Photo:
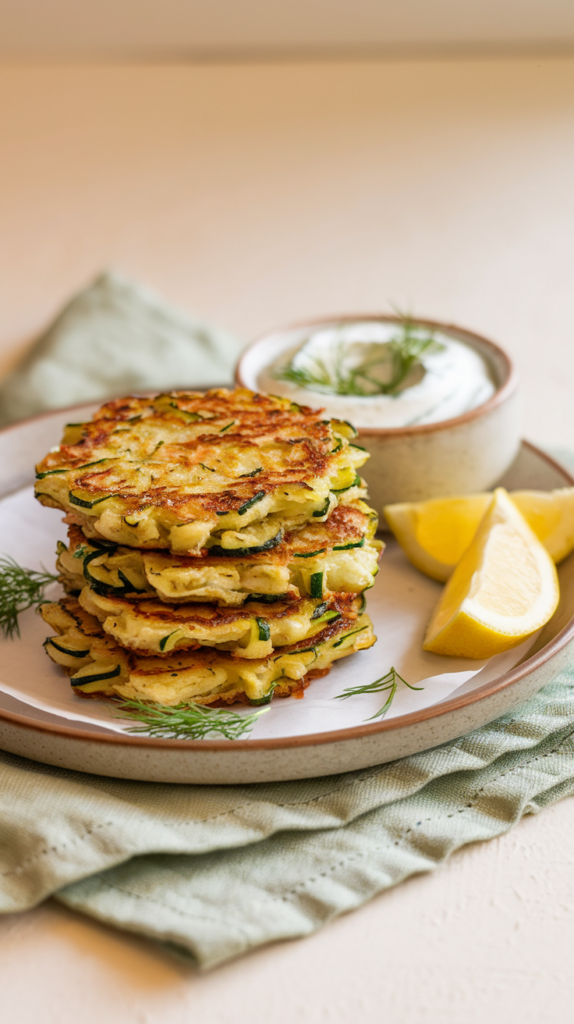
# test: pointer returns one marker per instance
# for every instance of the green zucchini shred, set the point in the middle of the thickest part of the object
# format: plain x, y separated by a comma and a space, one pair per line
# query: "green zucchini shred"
264, 628
347, 635
65, 650
265, 699
303, 650
356, 483
128, 585
98, 677
323, 511
320, 609
335, 424
107, 589
190, 417
82, 503
346, 547
329, 616
165, 639
221, 552
250, 502
50, 472
88, 464
316, 584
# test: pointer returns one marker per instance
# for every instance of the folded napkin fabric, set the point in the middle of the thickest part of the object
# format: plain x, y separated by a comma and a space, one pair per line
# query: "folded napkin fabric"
218, 870
113, 338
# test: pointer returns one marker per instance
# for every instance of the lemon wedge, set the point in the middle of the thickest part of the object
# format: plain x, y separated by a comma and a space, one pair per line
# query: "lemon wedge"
504, 588
551, 515
435, 534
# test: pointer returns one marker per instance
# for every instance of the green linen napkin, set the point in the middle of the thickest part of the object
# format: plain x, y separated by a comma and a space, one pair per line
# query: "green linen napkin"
219, 870
111, 339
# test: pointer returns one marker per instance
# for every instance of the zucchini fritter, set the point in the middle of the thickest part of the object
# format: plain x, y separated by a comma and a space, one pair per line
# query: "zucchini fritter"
219, 548
98, 666
252, 631
229, 472
318, 560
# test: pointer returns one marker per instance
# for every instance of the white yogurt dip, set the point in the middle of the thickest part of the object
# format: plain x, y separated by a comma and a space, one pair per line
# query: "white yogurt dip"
347, 368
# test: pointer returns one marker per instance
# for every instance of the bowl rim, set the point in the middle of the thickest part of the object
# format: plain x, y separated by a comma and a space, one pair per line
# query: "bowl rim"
503, 391
351, 733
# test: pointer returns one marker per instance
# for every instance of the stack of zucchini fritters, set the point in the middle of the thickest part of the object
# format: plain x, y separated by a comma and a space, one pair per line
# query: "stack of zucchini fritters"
218, 548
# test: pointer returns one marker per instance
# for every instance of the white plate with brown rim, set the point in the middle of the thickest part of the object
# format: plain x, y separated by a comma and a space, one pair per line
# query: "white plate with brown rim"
294, 738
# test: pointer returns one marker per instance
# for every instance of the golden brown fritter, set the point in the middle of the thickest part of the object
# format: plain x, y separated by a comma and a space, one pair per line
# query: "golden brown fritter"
254, 630
98, 666
229, 471
318, 560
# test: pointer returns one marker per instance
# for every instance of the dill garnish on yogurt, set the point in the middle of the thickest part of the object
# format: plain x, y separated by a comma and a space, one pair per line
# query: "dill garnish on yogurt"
347, 365
387, 372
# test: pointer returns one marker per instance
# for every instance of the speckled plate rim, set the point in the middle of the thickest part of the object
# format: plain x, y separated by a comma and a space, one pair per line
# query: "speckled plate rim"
434, 712
504, 390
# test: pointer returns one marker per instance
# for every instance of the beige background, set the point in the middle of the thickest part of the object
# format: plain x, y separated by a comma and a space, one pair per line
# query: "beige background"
258, 194
81, 28
255, 194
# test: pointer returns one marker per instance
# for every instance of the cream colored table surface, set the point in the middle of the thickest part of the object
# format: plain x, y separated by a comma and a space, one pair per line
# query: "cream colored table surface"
259, 194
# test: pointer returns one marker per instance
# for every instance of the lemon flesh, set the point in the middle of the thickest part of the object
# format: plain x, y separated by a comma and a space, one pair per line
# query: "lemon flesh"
435, 534
551, 515
504, 588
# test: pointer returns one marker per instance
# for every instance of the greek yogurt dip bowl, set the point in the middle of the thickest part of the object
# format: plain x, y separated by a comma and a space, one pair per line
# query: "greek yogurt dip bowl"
434, 404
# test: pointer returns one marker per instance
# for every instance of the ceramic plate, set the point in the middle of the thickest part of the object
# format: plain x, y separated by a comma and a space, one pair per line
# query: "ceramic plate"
41, 717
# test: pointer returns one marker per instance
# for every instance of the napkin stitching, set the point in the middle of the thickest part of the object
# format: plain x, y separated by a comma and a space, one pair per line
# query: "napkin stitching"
297, 803
188, 914
235, 810
472, 803
405, 832
297, 890
56, 849
301, 803
374, 776
349, 783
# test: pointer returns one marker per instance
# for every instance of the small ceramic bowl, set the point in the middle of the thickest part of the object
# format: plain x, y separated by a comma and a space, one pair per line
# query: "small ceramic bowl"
453, 456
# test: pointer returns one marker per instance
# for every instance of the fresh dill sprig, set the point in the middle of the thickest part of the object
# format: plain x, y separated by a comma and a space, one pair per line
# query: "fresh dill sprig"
405, 351
19, 589
318, 376
390, 682
185, 721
